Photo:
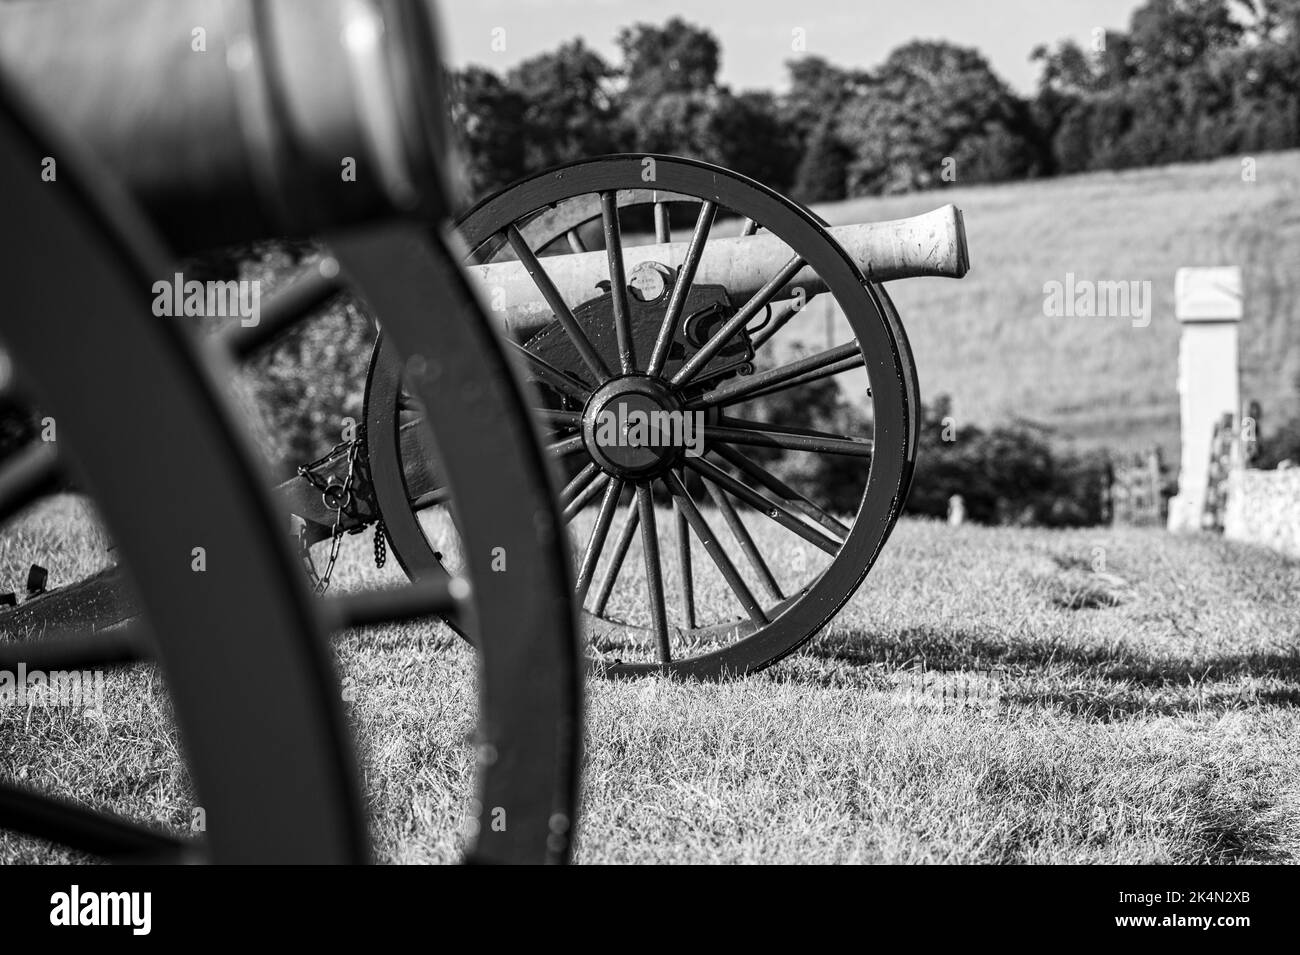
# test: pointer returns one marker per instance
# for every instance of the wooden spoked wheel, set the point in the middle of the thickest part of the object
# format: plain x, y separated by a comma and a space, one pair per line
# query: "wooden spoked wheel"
658, 340
241, 643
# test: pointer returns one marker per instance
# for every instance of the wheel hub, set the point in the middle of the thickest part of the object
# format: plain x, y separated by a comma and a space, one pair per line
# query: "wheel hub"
635, 428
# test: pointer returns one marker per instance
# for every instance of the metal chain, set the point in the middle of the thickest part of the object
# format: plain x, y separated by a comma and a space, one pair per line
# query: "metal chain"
308, 470
337, 497
381, 543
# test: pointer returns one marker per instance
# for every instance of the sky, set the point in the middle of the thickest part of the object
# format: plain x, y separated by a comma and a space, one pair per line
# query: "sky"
757, 35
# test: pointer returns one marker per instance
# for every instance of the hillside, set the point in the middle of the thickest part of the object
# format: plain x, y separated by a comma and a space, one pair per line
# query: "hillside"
1101, 381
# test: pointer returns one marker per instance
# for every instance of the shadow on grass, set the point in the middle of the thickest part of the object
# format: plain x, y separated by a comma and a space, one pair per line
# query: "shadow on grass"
1100, 682
1228, 830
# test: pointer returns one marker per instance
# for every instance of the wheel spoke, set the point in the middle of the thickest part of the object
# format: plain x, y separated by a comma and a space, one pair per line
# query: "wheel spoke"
682, 286
741, 389
830, 439
588, 494
575, 242
685, 571
789, 439
124, 646
27, 476
579, 482
749, 227
556, 302
830, 371
776, 511
783, 312
432, 597
300, 297
616, 559
568, 419
715, 550
559, 380
596, 543
566, 446
645, 503
663, 226
617, 281
78, 827
738, 321
774, 484
741, 533
771, 427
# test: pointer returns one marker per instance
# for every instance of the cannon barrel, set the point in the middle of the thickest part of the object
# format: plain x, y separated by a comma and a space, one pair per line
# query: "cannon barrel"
931, 244
232, 120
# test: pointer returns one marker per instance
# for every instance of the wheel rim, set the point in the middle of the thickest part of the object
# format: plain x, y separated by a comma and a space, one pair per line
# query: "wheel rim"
530, 719
529, 737
782, 625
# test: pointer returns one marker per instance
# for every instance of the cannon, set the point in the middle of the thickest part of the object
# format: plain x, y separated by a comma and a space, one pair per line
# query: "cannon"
214, 596
673, 302
652, 286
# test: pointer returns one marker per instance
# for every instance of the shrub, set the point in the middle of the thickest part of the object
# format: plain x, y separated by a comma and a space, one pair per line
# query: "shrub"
1006, 475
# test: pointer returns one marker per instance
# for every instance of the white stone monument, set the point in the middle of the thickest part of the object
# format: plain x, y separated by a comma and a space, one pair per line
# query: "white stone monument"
1208, 303
956, 510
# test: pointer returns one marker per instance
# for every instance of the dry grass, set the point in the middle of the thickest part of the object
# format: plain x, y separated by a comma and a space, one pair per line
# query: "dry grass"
1147, 712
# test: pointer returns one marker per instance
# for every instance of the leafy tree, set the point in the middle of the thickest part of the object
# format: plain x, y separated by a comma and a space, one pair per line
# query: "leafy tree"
672, 103
811, 110
823, 171
818, 90
928, 102
676, 58
1171, 35
741, 132
1192, 79
684, 124
757, 141
488, 121
1275, 21
1070, 71
570, 112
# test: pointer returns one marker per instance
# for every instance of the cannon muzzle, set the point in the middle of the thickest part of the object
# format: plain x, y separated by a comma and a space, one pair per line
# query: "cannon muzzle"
931, 244
233, 120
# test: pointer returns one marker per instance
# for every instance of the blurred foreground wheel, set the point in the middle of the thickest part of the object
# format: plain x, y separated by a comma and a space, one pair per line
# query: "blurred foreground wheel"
231, 625
223, 607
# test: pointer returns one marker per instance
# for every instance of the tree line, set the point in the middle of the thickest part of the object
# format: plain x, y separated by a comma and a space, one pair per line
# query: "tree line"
1189, 79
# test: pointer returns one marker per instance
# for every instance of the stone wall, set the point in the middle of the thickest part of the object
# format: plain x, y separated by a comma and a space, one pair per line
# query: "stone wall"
1264, 508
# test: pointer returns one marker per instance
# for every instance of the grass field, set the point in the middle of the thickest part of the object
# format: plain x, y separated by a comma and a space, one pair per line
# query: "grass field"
1145, 711
1100, 381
